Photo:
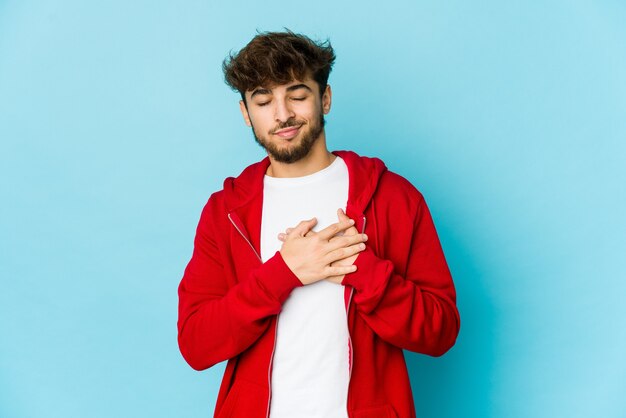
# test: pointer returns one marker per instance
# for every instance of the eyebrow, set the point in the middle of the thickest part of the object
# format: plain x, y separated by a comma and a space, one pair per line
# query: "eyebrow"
290, 88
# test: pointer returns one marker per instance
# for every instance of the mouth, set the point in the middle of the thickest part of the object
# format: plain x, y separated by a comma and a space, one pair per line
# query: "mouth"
289, 132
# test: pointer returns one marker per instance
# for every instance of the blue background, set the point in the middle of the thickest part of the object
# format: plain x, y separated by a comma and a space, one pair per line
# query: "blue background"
115, 127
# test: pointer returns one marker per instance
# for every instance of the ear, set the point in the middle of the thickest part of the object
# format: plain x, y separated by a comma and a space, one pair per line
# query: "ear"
244, 112
327, 99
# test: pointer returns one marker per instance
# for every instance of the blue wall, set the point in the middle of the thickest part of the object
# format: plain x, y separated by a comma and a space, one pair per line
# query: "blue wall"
115, 127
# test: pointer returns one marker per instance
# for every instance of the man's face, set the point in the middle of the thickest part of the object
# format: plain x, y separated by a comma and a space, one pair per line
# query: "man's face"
287, 119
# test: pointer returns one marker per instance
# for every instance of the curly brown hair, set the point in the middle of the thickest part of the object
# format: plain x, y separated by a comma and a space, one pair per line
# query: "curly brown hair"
278, 58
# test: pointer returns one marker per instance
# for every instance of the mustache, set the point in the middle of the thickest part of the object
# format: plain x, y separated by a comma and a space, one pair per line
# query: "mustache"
288, 124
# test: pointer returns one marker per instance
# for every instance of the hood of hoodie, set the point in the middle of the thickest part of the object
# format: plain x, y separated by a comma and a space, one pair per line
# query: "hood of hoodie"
364, 174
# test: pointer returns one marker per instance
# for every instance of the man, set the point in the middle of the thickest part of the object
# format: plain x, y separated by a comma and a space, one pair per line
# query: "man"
311, 270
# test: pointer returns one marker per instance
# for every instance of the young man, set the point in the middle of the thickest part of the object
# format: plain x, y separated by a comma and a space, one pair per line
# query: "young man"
312, 270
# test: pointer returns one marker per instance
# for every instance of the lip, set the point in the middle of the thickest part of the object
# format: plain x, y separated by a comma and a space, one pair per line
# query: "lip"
288, 132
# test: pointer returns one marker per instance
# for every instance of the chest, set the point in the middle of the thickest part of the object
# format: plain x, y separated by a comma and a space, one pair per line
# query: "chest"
285, 207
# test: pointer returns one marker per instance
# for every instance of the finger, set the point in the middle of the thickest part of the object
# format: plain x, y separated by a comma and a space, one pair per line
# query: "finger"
282, 236
335, 228
345, 241
303, 227
330, 271
345, 252
336, 279
343, 217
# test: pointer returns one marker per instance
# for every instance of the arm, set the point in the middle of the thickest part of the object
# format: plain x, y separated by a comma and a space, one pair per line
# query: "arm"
416, 311
217, 322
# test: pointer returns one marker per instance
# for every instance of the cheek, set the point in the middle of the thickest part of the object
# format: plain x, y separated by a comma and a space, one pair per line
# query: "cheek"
258, 120
308, 114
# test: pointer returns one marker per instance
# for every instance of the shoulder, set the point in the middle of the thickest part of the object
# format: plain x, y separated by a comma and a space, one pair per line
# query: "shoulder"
213, 210
394, 188
215, 201
237, 190
397, 199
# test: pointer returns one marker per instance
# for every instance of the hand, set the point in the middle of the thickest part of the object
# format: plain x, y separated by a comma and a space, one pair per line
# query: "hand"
310, 254
348, 261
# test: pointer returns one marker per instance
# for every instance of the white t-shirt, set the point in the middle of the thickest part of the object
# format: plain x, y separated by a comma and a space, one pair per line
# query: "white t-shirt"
310, 366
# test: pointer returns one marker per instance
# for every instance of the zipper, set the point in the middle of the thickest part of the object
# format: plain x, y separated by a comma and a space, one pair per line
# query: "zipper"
269, 369
245, 237
349, 337
351, 352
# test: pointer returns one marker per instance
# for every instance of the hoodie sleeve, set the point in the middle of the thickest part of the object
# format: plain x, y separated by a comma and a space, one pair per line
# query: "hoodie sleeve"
217, 322
415, 310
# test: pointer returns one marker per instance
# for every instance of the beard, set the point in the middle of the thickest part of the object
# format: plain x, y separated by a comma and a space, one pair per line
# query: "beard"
291, 154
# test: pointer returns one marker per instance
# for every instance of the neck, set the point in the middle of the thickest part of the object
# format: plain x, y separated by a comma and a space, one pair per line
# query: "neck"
317, 159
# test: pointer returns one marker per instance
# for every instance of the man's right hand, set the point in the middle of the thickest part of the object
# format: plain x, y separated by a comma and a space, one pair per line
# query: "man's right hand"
309, 254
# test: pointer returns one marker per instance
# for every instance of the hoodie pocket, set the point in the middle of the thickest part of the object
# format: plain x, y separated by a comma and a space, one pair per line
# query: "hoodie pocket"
229, 403
245, 399
384, 411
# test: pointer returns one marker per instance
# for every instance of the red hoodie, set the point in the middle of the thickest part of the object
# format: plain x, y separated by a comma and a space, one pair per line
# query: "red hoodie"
400, 297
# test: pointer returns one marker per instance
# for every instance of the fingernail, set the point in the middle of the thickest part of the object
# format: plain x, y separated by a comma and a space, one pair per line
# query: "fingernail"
351, 221
365, 237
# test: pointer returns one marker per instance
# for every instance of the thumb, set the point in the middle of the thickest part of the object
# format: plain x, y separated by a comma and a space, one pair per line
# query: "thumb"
342, 215
343, 218
304, 226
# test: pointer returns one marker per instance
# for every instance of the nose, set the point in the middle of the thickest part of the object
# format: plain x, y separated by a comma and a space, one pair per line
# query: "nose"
283, 111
